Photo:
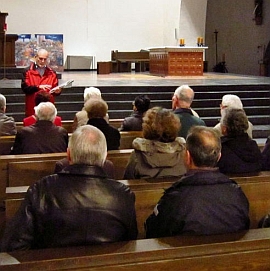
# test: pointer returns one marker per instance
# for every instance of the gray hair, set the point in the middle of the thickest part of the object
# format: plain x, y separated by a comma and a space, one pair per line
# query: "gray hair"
87, 145
3, 102
185, 93
45, 111
91, 92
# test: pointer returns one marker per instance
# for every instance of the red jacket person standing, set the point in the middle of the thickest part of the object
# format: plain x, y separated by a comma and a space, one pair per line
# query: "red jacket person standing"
38, 76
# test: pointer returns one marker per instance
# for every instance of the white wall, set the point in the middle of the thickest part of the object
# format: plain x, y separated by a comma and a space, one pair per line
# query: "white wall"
95, 27
192, 20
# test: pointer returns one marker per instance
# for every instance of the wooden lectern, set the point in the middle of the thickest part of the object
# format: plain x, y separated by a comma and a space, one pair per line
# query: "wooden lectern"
7, 44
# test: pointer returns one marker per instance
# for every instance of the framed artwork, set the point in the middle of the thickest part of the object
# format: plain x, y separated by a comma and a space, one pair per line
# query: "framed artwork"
27, 46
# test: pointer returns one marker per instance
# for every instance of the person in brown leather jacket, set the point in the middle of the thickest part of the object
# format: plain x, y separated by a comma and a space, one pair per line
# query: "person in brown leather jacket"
78, 206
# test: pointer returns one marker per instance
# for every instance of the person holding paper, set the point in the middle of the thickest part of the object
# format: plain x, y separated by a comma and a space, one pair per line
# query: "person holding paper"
38, 76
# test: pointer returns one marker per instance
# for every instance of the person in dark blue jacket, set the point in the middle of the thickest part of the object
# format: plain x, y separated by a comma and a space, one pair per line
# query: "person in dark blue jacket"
204, 201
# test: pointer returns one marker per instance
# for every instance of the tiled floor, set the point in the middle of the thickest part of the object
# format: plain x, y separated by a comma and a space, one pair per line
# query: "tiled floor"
91, 78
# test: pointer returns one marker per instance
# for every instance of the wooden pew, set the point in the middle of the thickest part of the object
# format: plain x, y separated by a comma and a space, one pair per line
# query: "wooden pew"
239, 251
25, 169
121, 61
148, 192
67, 124
127, 138
6, 142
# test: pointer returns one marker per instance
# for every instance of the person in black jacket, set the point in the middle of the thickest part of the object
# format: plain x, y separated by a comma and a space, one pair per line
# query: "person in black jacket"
97, 111
76, 207
134, 122
239, 153
204, 201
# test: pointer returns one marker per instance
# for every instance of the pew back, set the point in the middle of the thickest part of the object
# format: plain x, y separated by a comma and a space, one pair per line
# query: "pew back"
148, 192
240, 251
17, 170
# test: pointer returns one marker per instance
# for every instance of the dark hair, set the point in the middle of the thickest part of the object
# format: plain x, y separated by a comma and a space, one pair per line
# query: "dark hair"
235, 121
204, 146
42, 96
142, 103
160, 124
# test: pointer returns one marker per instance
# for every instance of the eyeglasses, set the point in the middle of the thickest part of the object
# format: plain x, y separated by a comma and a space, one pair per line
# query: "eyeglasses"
42, 58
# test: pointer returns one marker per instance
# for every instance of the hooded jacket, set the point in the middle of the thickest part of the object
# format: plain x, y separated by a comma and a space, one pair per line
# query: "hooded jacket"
239, 154
154, 159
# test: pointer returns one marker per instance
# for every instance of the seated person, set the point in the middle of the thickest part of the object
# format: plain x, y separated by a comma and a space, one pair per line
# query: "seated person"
108, 167
41, 96
134, 122
204, 201
160, 152
81, 117
232, 101
79, 206
266, 155
97, 110
239, 153
7, 124
181, 105
43, 136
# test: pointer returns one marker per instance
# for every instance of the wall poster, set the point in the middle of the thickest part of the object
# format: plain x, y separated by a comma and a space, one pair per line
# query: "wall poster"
27, 46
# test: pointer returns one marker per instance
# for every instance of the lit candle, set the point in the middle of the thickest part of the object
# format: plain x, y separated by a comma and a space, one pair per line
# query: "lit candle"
198, 40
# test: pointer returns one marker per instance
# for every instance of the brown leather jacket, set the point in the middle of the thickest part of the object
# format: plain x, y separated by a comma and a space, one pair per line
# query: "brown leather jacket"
78, 206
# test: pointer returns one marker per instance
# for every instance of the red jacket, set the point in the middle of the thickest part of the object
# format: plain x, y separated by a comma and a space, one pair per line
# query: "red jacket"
32, 120
30, 84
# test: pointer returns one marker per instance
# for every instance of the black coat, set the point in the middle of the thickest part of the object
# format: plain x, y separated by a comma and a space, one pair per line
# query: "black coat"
201, 203
78, 206
112, 134
239, 155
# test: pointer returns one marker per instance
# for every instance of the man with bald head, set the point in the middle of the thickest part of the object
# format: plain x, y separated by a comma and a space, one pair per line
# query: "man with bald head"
181, 105
38, 76
204, 201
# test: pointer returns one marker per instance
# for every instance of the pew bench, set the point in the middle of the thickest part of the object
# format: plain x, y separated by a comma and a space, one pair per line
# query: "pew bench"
121, 61
25, 169
126, 139
247, 250
67, 124
148, 192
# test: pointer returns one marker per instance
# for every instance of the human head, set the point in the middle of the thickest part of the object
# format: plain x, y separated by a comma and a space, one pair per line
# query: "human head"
45, 111
87, 145
96, 108
160, 124
3, 103
42, 57
42, 96
232, 101
141, 103
183, 97
91, 92
233, 122
203, 147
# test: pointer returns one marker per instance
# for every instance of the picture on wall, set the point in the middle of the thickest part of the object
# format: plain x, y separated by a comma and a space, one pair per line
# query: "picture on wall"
27, 46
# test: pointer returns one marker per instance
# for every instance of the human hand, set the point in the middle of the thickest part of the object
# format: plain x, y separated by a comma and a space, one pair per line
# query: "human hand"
57, 90
45, 87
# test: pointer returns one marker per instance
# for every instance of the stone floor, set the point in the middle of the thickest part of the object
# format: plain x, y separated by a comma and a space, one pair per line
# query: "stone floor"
91, 78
